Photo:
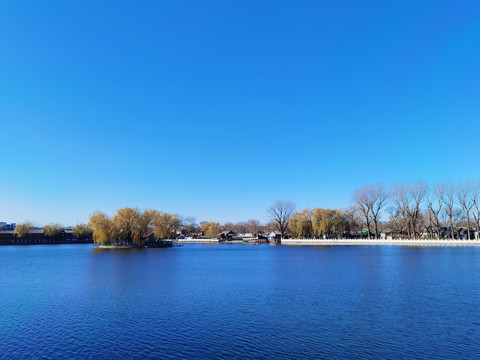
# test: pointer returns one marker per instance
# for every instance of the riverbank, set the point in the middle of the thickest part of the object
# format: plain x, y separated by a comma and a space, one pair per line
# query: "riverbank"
399, 242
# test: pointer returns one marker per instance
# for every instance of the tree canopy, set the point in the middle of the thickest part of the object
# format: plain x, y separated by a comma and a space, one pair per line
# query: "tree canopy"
52, 230
22, 230
211, 228
82, 231
131, 226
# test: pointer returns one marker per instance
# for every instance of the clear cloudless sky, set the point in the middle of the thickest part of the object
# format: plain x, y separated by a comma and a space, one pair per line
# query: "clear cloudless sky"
216, 109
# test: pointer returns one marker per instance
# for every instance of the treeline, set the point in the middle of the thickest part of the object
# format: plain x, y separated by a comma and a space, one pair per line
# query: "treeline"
129, 226
418, 209
52, 231
406, 210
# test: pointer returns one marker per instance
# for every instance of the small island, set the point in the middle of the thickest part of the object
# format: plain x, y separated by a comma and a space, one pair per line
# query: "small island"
132, 228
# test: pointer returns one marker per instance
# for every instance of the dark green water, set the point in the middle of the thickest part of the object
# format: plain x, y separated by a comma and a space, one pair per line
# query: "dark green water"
240, 301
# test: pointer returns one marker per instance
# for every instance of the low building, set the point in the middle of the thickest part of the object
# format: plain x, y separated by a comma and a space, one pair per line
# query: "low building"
36, 236
6, 226
226, 235
274, 236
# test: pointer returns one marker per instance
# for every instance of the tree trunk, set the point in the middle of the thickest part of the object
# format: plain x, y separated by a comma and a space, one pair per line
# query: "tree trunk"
468, 227
451, 228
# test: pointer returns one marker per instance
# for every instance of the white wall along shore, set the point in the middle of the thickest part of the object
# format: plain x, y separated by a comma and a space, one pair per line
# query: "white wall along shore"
399, 242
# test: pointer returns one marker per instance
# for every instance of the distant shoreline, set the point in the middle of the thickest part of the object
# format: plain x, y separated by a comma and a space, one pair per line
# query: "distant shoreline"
285, 242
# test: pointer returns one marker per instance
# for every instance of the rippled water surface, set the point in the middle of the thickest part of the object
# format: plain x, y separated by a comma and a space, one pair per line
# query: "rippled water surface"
239, 301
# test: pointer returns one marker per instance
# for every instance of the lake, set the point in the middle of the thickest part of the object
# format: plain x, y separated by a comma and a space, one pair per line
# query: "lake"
240, 302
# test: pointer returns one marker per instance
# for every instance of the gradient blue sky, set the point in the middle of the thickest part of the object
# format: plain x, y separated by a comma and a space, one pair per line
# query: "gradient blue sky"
216, 109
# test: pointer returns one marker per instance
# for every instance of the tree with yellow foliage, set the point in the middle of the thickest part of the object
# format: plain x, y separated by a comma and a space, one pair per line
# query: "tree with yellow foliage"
104, 231
301, 224
165, 226
126, 222
211, 228
81, 232
52, 231
22, 230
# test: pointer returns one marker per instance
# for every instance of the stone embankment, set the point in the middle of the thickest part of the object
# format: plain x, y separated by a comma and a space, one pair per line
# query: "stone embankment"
398, 242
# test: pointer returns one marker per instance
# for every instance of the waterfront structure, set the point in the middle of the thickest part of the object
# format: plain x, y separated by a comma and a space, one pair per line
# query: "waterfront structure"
6, 226
274, 236
36, 236
226, 235
398, 242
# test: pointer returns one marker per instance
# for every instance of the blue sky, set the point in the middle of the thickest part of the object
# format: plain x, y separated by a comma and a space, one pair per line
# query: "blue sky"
216, 109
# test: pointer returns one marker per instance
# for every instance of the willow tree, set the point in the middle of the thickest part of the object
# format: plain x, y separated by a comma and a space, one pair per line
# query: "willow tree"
126, 222
22, 230
301, 223
165, 226
104, 231
146, 222
52, 231
326, 221
211, 228
82, 232
330, 221
317, 227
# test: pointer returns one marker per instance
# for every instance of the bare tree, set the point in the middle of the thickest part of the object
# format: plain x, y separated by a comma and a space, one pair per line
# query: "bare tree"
466, 201
363, 200
253, 226
435, 205
400, 200
408, 201
417, 192
189, 225
353, 218
398, 222
475, 197
370, 200
379, 199
449, 202
281, 212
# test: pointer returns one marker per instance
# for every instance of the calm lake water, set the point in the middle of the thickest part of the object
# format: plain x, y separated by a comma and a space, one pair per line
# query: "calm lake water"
240, 301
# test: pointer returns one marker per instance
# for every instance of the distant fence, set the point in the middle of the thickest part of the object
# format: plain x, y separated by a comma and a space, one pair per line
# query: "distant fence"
400, 242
